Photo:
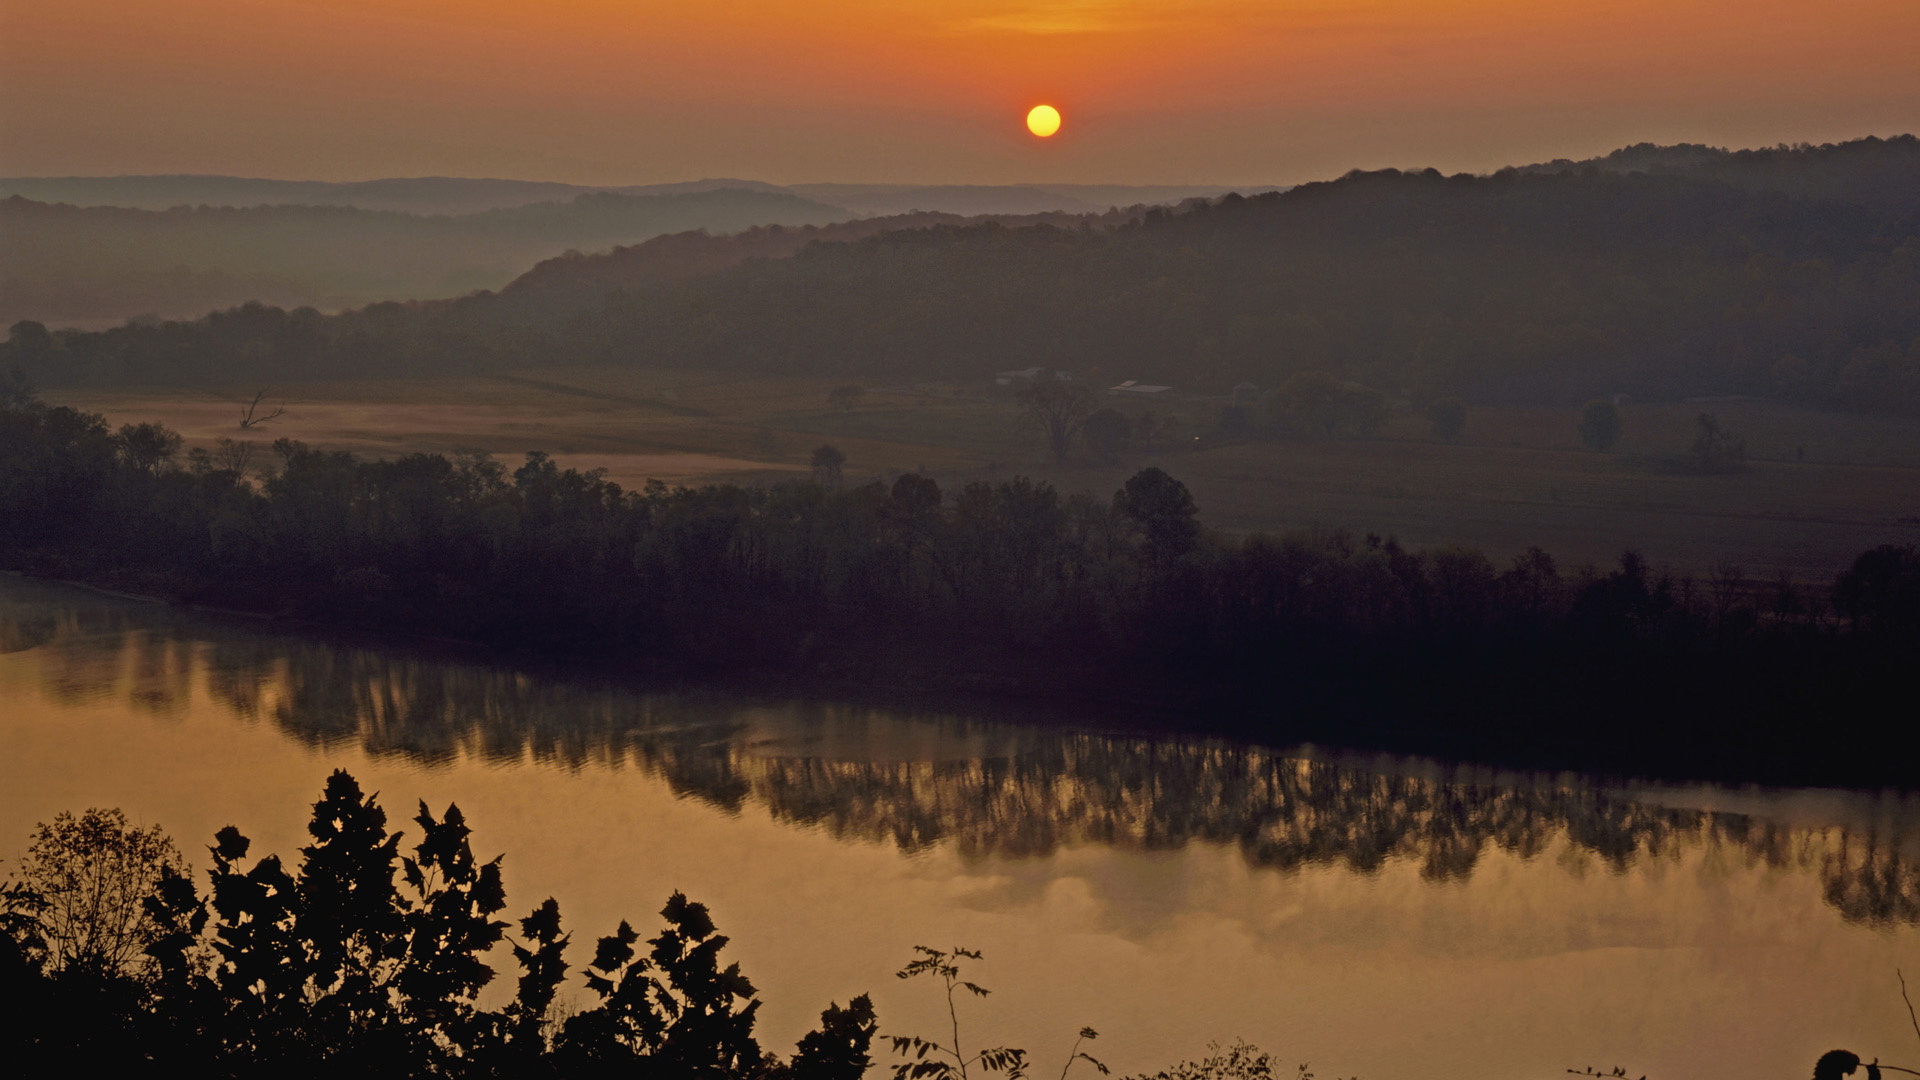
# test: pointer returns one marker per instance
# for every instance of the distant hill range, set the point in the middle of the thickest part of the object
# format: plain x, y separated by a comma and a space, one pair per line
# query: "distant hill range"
453, 195
1792, 273
973, 200
94, 251
99, 265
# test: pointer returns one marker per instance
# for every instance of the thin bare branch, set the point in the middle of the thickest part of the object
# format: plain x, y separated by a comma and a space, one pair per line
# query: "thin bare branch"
1911, 1019
248, 420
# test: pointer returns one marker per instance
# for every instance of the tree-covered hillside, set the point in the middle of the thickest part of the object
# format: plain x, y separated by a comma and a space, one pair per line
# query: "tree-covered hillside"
1550, 287
1878, 172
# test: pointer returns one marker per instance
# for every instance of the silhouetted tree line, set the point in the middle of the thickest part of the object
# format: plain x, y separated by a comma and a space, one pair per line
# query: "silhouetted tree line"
369, 956
1002, 588
1553, 287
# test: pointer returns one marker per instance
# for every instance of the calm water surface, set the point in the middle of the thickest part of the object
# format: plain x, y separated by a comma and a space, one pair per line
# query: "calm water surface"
1381, 919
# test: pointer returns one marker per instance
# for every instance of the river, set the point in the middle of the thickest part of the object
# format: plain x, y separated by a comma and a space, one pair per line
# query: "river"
1373, 918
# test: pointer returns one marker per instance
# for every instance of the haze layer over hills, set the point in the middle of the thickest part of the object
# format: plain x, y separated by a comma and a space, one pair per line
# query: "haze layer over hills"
453, 195
95, 251
70, 264
1792, 272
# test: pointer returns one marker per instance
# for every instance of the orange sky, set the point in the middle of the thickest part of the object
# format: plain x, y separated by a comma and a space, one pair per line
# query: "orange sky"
1173, 91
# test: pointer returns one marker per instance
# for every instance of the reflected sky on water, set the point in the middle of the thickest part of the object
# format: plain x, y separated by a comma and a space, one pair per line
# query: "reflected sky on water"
1385, 919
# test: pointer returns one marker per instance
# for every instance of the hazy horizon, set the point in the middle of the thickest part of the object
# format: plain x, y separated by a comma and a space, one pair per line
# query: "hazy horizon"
1213, 92
722, 180
1334, 172
667, 184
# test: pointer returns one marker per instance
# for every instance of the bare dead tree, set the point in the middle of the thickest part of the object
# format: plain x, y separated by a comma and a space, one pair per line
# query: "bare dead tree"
248, 420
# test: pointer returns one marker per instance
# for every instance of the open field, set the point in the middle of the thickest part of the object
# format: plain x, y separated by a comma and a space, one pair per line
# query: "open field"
1820, 487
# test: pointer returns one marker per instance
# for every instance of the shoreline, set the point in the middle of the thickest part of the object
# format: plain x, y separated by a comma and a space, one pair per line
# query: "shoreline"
1117, 711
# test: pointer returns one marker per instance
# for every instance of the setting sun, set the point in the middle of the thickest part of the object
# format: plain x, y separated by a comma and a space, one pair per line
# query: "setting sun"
1043, 120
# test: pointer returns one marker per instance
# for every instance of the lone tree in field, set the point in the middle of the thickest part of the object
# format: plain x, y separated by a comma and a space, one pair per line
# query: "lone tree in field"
827, 463
93, 874
1715, 449
1056, 408
1600, 425
1314, 404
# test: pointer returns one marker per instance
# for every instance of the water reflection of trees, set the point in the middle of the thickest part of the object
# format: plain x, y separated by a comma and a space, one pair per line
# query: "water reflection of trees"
1016, 793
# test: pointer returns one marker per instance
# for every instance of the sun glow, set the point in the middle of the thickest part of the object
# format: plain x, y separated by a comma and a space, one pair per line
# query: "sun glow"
1043, 120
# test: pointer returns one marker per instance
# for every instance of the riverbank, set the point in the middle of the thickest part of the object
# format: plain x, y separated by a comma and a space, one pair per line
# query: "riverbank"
1523, 722
999, 595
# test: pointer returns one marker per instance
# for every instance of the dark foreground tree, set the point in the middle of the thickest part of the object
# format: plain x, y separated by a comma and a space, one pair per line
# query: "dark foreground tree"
365, 957
148, 447
90, 877
1880, 592
675, 1008
1162, 509
841, 1048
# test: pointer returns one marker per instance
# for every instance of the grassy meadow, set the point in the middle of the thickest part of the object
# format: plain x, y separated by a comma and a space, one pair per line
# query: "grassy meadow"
1818, 487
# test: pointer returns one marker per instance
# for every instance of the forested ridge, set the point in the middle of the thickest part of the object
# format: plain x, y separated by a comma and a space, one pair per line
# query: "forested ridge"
1005, 590
1871, 171
1781, 280
1550, 288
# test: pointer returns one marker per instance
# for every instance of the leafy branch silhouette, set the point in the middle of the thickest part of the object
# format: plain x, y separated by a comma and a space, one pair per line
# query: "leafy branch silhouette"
929, 1059
1087, 1034
1835, 1064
